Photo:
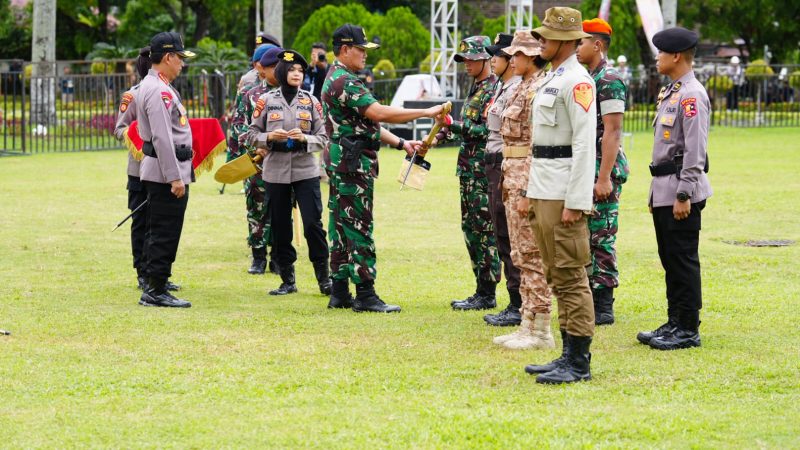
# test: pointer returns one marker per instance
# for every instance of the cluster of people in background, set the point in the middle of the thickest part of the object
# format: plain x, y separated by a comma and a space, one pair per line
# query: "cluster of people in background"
540, 169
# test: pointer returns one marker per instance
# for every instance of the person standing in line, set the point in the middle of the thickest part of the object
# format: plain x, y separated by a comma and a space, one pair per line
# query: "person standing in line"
560, 189
679, 188
611, 167
503, 68
534, 331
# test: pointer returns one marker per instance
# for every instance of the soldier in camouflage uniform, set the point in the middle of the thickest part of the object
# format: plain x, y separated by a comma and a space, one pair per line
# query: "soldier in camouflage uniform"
352, 120
611, 169
476, 219
254, 187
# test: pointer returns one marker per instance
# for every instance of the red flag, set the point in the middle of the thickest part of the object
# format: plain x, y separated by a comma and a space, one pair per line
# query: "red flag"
208, 141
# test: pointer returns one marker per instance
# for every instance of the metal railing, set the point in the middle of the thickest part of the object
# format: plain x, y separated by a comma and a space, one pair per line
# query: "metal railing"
78, 112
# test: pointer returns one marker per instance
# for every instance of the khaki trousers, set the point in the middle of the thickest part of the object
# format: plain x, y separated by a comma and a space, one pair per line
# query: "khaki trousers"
565, 254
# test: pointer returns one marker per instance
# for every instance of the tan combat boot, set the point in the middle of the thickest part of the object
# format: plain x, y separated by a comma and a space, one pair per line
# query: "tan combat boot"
541, 330
524, 326
524, 339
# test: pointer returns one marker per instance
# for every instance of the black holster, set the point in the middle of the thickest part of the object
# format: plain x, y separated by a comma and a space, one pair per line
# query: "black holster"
352, 148
183, 152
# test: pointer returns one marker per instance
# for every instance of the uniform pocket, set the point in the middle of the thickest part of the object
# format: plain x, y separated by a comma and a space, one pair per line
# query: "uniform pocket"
545, 111
571, 245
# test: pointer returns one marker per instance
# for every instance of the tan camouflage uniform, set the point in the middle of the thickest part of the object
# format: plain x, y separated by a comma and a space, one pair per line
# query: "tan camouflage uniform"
516, 132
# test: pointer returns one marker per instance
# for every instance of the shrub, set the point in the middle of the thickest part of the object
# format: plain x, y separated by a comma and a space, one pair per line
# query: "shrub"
758, 69
384, 70
719, 84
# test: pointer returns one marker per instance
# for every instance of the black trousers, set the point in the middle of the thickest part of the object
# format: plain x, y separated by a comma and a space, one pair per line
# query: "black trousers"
678, 242
136, 196
497, 209
309, 201
165, 223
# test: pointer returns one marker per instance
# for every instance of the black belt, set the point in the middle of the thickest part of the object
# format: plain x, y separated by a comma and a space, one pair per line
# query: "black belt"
552, 151
285, 147
671, 168
493, 158
182, 152
367, 144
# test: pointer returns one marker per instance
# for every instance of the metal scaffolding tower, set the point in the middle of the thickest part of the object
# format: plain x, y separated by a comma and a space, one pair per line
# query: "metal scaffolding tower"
444, 35
519, 15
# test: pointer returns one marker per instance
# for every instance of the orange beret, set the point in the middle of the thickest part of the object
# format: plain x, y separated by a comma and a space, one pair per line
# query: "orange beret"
596, 25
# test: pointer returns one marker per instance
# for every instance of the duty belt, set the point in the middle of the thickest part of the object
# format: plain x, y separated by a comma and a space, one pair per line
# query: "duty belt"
552, 151
671, 168
286, 147
493, 158
516, 151
367, 144
182, 152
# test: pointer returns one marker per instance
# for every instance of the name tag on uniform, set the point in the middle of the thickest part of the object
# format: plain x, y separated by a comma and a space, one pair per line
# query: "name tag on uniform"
551, 91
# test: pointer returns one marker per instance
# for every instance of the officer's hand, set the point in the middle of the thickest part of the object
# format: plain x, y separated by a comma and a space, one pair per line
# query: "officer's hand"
297, 135
261, 151
278, 135
602, 189
434, 111
178, 188
411, 146
523, 205
681, 210
570, 216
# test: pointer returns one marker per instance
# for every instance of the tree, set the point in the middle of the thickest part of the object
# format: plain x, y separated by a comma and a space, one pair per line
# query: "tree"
404, 40
324, 21
627, 35
15, 30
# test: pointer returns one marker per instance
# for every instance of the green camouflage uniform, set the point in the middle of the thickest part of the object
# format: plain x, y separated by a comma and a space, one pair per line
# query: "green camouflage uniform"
255, 187
611, 97
345, 98
476, 220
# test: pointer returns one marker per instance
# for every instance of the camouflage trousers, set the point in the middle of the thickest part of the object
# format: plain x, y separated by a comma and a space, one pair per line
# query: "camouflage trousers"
603, 237
476, 224
255, 191
536, 295
350, 227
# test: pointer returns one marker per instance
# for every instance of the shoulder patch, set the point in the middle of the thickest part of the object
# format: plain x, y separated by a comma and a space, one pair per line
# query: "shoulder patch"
319, 108
583, 95
689, 107
127, 98
259, 107
166, 97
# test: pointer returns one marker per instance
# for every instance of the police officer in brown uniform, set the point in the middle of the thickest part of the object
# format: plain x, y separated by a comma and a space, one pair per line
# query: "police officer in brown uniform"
679, 188
560, 188
507, 82
287, 128
166, 170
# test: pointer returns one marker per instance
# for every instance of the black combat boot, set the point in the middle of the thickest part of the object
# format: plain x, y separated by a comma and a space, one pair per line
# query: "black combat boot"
340, 294
484, 299
684, 335
259, 265
469, 299
575, 366
509, 316
646, 336
323, 277
157, 295
367, 300
603, 306
141, 280
170, 286
552, 365
287, 282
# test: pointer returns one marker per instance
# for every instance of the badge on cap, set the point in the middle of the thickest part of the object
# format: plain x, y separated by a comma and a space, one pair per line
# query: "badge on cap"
462, 47
288, 57
583, 95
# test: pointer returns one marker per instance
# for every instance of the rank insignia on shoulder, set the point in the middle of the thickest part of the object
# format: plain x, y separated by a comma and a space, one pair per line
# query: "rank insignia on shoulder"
689, 107
676, 87
259, 107
583, 95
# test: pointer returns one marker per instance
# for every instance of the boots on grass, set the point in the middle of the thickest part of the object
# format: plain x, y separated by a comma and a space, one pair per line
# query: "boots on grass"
287, 282
576, 365
340, 294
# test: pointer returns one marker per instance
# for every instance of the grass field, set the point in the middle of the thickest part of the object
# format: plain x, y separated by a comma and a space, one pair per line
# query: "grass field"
87, 367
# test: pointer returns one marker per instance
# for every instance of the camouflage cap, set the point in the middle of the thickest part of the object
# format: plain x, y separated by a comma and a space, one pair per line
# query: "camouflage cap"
561, 24
525, 43
473, 48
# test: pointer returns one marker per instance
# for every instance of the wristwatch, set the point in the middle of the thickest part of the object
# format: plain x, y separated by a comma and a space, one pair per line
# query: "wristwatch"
683, 196
400, 144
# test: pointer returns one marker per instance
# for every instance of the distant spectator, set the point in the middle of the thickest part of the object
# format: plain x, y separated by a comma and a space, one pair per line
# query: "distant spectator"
736, 73
317, 69
67, 87
624, 70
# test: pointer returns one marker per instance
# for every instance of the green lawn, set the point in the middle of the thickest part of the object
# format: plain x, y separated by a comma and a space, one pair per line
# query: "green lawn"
87, 367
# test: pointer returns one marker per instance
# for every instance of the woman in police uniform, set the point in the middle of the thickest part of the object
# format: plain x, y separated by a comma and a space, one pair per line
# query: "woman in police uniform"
287, 127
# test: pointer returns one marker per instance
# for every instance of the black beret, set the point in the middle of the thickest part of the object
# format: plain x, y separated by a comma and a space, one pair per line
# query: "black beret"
675, 40
502, 41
